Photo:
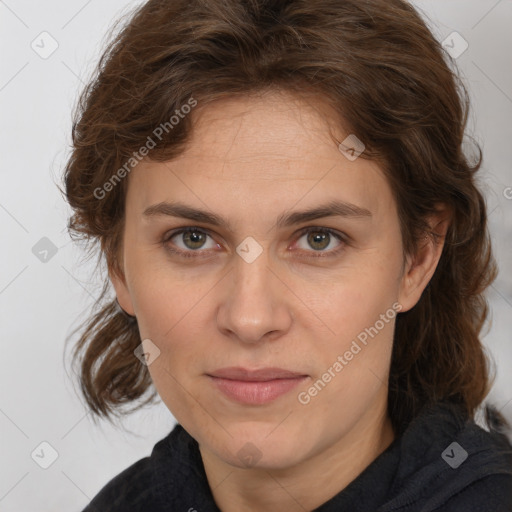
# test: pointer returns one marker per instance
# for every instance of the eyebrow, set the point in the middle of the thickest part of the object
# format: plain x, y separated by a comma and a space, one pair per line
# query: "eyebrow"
333, 208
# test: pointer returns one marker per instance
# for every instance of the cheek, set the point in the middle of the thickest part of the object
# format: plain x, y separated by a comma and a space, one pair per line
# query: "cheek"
352, 365
356, 299
354, 355
171, 316
161, 294
171, 308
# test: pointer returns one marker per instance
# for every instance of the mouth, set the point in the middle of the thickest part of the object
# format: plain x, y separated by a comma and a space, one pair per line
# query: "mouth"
255, 387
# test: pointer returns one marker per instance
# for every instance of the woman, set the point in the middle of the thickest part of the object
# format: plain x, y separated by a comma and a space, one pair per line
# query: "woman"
299, 253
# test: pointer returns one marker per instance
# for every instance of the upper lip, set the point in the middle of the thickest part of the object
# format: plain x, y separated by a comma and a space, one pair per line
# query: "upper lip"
260, 375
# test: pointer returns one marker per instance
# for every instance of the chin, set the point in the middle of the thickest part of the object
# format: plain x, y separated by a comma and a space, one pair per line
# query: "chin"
251, 457
255, 448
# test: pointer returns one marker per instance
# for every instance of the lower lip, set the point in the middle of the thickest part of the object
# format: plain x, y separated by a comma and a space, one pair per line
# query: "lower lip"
256, 393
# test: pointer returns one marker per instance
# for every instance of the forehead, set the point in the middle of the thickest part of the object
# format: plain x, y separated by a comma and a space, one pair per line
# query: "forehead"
260, 152
274, 124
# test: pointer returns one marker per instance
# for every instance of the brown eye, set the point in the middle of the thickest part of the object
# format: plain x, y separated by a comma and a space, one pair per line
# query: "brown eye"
194, 239
189, 242
319, 240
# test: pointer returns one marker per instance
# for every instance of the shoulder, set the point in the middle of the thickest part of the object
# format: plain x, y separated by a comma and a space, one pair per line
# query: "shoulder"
449, 463
485, 476
130, 486
135, 489
491, 492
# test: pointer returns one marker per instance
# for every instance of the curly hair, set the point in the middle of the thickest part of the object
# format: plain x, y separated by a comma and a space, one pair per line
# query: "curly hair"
379, 66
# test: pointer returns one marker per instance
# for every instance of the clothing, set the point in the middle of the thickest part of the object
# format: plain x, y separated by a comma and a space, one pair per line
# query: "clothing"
416, 473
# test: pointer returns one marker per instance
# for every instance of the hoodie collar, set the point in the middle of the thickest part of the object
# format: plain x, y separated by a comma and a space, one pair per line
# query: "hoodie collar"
416, 468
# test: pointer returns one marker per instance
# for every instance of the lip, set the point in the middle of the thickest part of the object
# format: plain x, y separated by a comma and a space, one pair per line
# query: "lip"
255, 387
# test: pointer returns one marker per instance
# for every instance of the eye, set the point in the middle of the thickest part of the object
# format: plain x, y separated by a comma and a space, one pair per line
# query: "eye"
320, 239
191, 240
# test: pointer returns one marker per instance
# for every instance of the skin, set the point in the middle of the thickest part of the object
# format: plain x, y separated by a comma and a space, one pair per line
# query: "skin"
251, 159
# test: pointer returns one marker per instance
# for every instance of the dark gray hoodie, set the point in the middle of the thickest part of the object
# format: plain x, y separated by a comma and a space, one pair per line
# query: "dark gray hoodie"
442, 462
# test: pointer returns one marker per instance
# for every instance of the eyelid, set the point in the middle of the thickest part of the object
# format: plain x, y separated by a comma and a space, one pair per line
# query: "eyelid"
200, 253
341, 237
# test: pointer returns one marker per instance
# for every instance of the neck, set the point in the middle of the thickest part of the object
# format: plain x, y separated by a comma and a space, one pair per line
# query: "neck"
308, 484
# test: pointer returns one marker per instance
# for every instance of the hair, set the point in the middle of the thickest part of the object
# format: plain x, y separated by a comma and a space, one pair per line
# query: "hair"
382, 70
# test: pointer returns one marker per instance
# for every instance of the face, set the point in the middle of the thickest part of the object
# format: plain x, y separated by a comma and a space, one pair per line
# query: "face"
258, 286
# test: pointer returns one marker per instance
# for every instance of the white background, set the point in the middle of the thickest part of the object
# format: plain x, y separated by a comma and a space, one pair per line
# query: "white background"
40, 302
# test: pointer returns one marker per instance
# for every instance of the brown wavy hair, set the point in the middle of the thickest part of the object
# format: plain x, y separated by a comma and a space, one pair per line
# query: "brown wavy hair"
379, 66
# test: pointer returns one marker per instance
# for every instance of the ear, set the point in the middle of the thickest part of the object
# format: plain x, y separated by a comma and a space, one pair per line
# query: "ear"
118, 280
420, 267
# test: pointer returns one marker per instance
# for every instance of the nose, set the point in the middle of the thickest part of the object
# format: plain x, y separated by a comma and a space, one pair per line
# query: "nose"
254, 305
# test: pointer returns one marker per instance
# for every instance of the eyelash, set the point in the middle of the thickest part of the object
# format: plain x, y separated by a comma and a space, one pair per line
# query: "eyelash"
195, 254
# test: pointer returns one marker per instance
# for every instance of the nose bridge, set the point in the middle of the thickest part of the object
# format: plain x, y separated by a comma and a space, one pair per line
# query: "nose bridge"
252, 279
253, 305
